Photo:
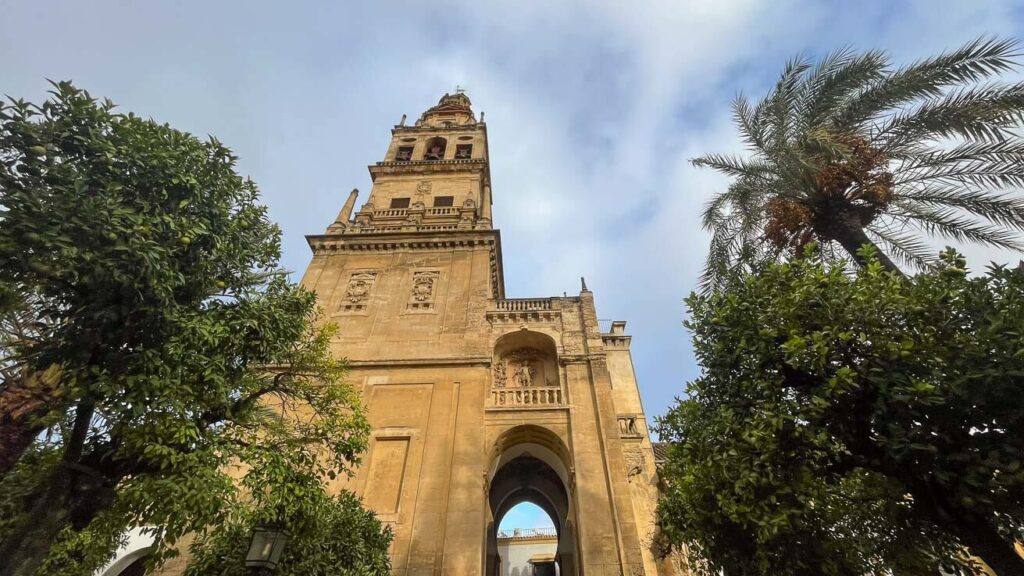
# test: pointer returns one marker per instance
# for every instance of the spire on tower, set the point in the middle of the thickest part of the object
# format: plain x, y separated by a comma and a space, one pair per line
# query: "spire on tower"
346, 212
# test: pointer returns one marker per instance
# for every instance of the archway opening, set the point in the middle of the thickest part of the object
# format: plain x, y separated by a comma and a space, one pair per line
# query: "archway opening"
527, 541
531, 473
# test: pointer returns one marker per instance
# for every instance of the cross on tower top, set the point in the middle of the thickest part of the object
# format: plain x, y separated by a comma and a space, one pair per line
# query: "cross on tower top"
459, 89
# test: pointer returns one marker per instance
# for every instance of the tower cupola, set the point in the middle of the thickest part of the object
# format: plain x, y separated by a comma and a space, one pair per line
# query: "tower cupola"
451, 110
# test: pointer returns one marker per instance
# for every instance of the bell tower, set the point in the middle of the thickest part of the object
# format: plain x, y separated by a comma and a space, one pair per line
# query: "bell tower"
478, 402
434, 176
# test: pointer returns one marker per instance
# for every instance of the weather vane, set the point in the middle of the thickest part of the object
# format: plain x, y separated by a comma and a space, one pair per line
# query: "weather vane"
459, 89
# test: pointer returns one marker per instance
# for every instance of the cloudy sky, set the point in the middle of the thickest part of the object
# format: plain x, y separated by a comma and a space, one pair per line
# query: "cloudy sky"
593, 109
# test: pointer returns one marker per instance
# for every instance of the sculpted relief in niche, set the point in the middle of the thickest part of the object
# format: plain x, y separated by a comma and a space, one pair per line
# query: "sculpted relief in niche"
523, 368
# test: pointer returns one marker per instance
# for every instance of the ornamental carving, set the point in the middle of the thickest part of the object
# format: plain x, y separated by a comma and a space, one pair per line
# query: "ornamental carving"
358, 289
423, 188
521, 368
500, 378
627, 426
423, 286
634, 462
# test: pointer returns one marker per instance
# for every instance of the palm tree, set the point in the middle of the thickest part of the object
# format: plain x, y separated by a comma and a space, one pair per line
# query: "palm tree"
853, 152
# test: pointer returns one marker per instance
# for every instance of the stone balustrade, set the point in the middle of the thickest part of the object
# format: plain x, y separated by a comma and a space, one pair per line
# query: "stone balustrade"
443, 211
523, 304
391, 213
518, 397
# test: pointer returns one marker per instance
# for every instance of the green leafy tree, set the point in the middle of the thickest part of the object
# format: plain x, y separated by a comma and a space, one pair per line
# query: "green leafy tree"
852, 151
852, 424
330, 536
192, 379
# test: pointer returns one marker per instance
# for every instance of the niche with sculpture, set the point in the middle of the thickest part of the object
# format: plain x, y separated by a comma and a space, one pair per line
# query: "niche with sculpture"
525, 369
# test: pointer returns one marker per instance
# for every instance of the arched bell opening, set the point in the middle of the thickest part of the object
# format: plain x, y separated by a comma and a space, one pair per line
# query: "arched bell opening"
530, 464
434, 150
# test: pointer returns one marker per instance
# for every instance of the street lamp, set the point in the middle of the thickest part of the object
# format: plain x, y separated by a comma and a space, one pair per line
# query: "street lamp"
265, 548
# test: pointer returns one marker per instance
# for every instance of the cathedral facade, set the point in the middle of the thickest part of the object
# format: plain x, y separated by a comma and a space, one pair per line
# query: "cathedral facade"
478, 401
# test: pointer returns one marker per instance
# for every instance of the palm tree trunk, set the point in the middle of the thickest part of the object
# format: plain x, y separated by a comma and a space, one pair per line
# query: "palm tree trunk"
22, 399
852, 238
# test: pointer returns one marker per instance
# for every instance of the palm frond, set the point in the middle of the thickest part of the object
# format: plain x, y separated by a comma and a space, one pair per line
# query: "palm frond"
953, 224
926, 157
1003, 209
836, 78
973, 62
985, 113
909, 250
782, 103
734, 165
995, 174
750, 124
735, 219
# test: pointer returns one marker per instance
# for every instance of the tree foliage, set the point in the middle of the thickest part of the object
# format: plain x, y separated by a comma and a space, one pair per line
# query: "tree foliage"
852, 151
328, 537
852, 424
192, 379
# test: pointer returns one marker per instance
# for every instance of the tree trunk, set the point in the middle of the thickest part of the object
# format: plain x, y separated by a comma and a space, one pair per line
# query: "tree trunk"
852, 238
22, 400
985, 542
28, 544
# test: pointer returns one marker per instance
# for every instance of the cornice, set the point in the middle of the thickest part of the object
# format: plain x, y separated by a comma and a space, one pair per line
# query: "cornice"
472, 165
454, 128
343, 243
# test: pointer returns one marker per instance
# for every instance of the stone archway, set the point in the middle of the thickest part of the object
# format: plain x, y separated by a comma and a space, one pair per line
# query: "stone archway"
130, 558
531, 464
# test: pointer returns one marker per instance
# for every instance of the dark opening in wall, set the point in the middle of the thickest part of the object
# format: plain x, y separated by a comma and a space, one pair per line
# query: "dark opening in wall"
404, 153
435, 149
441, 201
464, 151
399, 203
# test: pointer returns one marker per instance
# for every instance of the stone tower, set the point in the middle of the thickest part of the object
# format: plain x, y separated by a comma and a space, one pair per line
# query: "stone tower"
477, 401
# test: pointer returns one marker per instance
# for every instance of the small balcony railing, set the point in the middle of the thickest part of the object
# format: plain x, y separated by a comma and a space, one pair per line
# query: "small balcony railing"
391, 213
527, 533
443, 211
523, 304
515, 397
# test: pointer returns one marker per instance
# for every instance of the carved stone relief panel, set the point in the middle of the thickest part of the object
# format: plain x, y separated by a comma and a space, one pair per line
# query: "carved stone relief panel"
424, 289
357, 291
628, 426
523, 368
634, 461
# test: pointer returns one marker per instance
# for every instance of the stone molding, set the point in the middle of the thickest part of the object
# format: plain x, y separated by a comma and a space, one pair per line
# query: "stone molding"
478, 125
393, 167
462, 361
322, 244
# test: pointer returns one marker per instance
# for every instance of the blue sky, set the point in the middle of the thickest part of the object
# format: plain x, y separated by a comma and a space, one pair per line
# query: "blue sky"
593, 109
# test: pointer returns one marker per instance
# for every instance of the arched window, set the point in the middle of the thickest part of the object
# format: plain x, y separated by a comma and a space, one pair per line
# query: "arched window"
435, 149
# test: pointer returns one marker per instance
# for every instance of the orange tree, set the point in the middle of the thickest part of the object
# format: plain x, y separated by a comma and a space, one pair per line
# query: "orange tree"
177, 345
852, 424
